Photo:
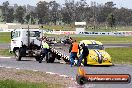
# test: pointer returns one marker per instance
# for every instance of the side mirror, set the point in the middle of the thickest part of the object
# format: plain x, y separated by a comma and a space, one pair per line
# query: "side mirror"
11, 34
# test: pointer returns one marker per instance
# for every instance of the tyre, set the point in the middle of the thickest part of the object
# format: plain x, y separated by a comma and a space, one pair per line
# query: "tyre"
37, 58
81, 80
51, 58
17, 55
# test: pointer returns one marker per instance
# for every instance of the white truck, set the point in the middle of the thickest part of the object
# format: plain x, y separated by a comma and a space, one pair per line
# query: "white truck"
26, 43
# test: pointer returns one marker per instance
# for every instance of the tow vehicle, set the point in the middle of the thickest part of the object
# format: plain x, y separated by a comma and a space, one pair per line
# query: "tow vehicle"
26, 43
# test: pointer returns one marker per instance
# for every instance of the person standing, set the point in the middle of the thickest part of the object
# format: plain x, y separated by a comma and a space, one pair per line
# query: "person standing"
83, 55
45, 50
73, 50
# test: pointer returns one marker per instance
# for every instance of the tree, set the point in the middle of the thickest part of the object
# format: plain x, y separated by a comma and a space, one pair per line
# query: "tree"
19, 14
5, 9
111, 20
27, 18
43, 12
54, 11
10, 15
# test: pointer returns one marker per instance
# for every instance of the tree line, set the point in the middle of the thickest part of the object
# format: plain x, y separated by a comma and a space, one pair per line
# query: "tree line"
68, 13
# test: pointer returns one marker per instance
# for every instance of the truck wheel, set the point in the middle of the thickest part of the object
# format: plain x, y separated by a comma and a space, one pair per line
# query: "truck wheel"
81, 80
51, 59
17, 55
37, 58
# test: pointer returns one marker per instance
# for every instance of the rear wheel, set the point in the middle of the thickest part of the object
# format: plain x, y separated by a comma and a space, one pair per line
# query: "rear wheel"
37, 58
50, 58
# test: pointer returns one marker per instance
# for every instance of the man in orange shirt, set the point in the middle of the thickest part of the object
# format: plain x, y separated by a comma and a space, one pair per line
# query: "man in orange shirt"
73, 52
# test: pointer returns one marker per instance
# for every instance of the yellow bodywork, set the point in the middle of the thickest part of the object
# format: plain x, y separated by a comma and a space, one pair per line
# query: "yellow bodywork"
97, 56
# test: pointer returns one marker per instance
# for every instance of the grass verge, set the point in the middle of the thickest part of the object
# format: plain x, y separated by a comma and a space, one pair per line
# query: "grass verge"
5, 37
5, 52
16, 84
121, 55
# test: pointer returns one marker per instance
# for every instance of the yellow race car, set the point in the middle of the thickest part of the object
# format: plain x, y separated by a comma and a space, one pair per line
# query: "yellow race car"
97, 55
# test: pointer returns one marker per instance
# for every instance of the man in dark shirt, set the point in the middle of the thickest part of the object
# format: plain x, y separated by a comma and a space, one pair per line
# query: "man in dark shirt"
84, 54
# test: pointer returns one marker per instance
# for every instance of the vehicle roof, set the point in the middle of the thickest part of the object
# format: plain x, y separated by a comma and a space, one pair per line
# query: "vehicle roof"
90, 42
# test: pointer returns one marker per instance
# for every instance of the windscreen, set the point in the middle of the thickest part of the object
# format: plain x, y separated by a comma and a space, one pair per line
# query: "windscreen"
34, 34
95, 46
15, 34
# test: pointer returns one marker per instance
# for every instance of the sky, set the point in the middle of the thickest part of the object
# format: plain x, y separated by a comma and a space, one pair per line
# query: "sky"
119, 3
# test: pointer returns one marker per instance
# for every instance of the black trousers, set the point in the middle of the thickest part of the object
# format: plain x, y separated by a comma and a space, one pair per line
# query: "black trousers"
44, 53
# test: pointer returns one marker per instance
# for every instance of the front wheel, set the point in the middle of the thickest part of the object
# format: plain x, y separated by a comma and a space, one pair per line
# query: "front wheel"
37, 58
17, 55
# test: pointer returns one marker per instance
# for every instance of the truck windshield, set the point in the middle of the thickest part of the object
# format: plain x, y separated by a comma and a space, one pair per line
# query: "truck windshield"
34, 34
15, 34
95, 46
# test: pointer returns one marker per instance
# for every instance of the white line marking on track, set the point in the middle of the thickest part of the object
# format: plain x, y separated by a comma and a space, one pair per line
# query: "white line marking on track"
35, 70
51, 73
1, 66
6, 57
64, 76
17, 68
7, 67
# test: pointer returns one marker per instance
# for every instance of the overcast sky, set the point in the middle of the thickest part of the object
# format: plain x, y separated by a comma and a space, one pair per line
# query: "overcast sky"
119, 3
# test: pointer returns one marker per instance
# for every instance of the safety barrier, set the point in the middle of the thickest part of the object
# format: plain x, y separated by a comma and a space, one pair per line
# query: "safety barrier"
117, 33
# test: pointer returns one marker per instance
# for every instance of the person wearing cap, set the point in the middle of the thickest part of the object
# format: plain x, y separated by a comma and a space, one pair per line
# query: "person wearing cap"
45, 50
83, 55
73, 50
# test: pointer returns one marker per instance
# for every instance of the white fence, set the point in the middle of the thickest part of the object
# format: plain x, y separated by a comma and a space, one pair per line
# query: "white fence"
89, 33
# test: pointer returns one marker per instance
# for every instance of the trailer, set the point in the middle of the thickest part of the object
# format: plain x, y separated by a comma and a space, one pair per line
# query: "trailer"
59, 51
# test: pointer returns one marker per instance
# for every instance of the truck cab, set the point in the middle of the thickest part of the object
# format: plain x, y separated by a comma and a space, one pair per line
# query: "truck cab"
26, 42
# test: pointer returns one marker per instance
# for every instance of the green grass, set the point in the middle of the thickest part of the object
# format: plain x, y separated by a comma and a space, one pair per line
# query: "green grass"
5, 52
4, 37
16, 84
89, 28
106, 39
120, 55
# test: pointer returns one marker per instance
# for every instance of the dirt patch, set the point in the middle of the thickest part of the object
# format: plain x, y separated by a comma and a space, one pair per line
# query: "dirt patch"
36, 77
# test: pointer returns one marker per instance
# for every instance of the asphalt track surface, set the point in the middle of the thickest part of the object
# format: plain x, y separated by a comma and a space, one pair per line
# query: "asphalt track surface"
65, 69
